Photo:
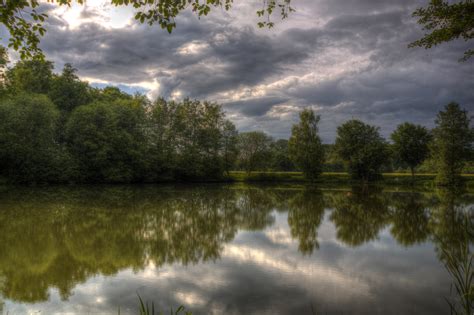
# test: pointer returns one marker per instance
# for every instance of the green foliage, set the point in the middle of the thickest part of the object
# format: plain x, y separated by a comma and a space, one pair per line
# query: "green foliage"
305, 147
106, 135
452, 146
446, 21
32, 76
107, 140
198, 135
254, 151
28, 150
26, 25
3, 65
281, 156
67, 91
411, 144
230, 150
191, 139
362, 148
24, 34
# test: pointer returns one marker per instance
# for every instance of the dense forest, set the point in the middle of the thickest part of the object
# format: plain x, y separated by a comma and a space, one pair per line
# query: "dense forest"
55, 128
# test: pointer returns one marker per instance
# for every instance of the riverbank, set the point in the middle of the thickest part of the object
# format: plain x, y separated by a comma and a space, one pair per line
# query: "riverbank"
340, 178
329, 179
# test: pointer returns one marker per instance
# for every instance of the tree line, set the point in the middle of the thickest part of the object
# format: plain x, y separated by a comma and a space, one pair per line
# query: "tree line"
55, 128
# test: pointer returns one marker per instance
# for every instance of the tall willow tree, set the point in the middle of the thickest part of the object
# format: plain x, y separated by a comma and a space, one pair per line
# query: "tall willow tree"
305, 147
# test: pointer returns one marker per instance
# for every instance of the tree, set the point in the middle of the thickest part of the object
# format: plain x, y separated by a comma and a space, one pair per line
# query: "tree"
362, 148
447, 21
198, 137
28, 150
189, 139
452, 145
107, 141
67, 91
25, 23
305, 147
411, 144
281, 157
3, 65
160, 138
230, 150
254, 150
32, 76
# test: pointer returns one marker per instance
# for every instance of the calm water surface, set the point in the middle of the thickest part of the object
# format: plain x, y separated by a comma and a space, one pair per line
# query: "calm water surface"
229, 249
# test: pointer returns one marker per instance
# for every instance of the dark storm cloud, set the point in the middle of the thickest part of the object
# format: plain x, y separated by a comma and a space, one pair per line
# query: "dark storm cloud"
254, 107
212, 59
232, 57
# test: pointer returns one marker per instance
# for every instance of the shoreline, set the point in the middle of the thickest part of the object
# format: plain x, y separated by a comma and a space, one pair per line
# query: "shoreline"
326, 179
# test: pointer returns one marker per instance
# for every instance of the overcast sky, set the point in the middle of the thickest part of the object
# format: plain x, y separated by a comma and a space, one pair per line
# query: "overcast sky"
343, 58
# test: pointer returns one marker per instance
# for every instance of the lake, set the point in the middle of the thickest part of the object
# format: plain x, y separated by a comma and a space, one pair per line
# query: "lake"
230, 249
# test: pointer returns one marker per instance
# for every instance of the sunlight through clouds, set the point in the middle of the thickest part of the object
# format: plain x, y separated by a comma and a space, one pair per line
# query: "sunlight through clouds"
95, 11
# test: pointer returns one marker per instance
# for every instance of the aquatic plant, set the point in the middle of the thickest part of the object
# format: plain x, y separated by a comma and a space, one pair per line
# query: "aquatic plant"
459, 262
149, 309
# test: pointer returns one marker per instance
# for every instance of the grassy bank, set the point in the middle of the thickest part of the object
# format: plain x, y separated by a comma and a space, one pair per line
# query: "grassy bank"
332, 178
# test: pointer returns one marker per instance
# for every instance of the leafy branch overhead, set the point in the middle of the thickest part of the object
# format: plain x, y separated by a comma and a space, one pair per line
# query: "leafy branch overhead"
446, 22
24, 21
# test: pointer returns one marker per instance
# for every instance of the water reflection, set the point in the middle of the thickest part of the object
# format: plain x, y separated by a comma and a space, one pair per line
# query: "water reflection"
359, 215
60, 238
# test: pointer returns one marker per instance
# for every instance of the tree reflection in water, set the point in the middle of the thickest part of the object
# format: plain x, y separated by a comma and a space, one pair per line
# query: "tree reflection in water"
454, 236
58, 238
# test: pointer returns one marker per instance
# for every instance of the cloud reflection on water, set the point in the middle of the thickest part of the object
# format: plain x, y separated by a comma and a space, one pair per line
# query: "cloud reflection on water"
238, 252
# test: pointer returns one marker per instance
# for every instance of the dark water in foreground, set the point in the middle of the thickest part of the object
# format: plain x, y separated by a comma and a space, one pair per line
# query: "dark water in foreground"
228, 249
